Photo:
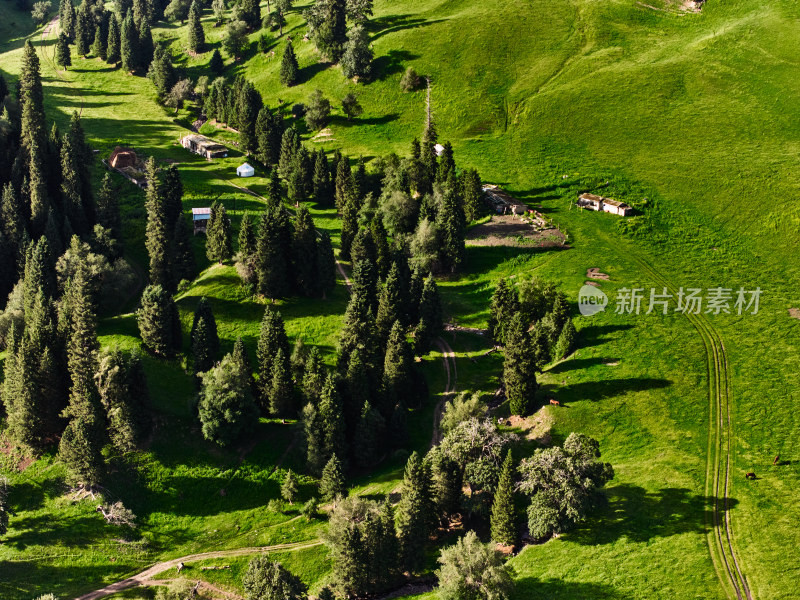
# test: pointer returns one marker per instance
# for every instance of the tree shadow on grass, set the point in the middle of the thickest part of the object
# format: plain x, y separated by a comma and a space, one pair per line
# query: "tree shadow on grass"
531, 588
638, 515
55, 530
308, 72
391, 23
28, 579
574, 364
391, 63
601, 390
596, 335
32, 495
345, 122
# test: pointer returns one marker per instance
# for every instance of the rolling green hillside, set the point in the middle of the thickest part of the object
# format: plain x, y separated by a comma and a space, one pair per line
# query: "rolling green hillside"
698, 113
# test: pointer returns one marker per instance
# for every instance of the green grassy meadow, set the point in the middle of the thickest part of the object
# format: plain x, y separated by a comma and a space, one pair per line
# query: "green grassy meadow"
697, 113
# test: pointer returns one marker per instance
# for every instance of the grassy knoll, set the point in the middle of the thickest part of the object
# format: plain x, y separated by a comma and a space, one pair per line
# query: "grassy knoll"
695, 112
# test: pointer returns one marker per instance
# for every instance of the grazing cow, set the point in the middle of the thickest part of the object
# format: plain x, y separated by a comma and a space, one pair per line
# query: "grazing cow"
555, 402
749, 475
777, 458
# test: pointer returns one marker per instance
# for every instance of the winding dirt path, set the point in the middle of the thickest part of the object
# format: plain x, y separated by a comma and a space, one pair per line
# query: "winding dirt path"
449, 360
145, 577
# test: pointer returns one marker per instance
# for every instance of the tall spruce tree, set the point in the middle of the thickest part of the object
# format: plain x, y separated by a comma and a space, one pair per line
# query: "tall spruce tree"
156, 233
247, 238
398, 375
349, 227
452, 229
414, 513
504, 305
219, 246
113, 384
99, 44
172, 190
82, 439
332, 416
332, 484
322, 179
66, 18
108, 214
33, 138
326, 262
113, 41
519, 367
329, 24
129, 44
290, 70
273, 252
504, 528
430, 316
391, 303
472, 194
182, 254
146, 48
305, 253
197, 36
271, 340
63, 56
158, 321
281, 390
248, 106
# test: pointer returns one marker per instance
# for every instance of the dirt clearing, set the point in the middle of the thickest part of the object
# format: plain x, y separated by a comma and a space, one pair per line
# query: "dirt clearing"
510, 230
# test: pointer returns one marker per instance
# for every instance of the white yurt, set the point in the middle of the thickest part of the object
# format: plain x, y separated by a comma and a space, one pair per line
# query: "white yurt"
245, 170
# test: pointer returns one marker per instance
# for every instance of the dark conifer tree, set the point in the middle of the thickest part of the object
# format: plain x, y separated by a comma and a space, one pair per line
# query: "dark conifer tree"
272, 252
383, 254
249, 104
447, 165
365, 283
392, 302
33, 138
345, 189
290, 143
19, 395
447, 484
414, 513
113, 41
274, 190
332, 484
183, 256
249, 11
503, 307
197, 36
281, 390
430, 316
159, 326
305, 253
66, 18
71, 188
156, 233
12, 217
504, 528
113, 384
472, 194
172, 189
146, 47
331, 413
247, 237
108, 214
203, 357
39, 274
321, 180
271, 339
63, 56
129, 45
82, 440
290, 70
326, 262
519, 368
99, 45
369, 436
415, 285
216, 65
219, 245
268, 136
452, 229
398, 365
314, 438
84, 30
330, 32
349, 228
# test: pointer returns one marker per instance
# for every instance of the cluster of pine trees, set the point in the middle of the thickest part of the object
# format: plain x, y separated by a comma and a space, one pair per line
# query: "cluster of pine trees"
238, 105
533, 323
57, 240
122, 37
328, 27
282, 256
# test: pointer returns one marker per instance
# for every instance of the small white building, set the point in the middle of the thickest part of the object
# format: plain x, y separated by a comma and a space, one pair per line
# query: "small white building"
438, 148
245, 170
